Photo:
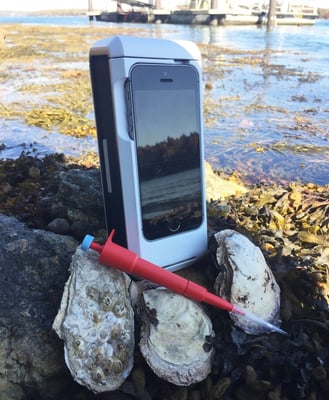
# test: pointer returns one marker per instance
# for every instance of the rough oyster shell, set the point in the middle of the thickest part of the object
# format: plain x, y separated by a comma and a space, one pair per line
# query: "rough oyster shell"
96, 322
246, 280
175, 337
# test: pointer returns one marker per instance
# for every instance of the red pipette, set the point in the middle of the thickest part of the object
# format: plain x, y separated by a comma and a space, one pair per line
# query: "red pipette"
113, 255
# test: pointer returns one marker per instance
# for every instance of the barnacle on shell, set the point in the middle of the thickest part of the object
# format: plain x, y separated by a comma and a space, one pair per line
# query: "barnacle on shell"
115, 365
107, 302
92, 292
119, 309
98, 375
96, 322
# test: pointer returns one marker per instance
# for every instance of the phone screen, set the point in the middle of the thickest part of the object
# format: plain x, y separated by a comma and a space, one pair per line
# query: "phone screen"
167, 128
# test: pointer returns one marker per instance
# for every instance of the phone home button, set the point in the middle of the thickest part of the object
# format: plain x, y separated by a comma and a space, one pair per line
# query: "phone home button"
174, 225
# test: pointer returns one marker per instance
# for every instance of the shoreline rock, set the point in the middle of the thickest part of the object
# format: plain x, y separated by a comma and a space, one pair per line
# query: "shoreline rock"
34, 267
227, 186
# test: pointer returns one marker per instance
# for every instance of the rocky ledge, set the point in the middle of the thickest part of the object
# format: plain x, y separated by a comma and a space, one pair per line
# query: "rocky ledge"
43, 216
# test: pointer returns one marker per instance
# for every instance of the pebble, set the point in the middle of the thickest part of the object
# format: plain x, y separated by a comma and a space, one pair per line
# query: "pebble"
5, 188
34, 172
81, 228
59, 225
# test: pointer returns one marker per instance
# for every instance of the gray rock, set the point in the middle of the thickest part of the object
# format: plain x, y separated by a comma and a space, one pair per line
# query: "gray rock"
33, 269
79, 197
59, 225
81, 228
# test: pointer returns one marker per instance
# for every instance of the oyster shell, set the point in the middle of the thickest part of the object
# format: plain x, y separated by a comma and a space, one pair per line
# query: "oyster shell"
175, 337
246, 280
96, 322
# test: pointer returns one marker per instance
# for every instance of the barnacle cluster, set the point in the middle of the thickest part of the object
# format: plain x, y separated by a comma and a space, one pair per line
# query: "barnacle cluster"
96, 322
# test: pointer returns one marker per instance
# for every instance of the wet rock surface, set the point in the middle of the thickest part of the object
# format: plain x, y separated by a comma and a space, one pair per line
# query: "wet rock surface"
63, 197
289, 222
86, 208
34, 267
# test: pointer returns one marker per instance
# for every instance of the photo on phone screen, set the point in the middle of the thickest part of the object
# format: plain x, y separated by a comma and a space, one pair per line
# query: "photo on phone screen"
167, 127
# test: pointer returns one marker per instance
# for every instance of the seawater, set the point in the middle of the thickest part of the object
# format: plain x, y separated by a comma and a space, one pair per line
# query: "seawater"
164, 193
265, 143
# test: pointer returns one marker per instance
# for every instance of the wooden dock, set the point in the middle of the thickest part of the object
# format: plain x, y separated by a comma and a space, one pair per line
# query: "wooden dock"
221, 13
93, 14
201, 17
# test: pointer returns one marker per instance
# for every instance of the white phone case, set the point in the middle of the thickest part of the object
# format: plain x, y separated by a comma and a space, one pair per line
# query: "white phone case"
110, 62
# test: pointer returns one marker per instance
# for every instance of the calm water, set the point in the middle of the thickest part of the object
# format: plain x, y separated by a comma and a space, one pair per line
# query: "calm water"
271, 118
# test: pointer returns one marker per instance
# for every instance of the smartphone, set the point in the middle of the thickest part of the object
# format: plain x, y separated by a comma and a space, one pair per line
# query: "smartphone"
147, 100
167, 128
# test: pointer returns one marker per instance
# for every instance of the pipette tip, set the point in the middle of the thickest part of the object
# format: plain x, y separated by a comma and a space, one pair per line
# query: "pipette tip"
243, 313
125, 260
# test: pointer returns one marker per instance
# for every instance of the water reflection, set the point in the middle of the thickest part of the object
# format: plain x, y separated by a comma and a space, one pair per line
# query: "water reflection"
305, 38
17, 137
270, 113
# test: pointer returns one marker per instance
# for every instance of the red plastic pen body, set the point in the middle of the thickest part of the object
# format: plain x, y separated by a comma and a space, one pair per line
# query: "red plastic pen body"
121, 258
125, 260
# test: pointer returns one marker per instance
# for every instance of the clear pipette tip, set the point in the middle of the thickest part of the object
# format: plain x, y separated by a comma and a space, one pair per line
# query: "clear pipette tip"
243, 313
